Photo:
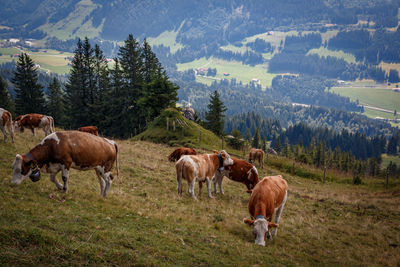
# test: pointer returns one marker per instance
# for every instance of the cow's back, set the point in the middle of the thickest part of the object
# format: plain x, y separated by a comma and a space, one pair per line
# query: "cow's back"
198, 166
268, 193
83, 149
32, 120
239, 170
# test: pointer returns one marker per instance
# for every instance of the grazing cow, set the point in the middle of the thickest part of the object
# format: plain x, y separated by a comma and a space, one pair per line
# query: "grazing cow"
89, 129
179, 152
241, 171
201, 168
257, 155
267, 197
6, 124
61, 151
34, 120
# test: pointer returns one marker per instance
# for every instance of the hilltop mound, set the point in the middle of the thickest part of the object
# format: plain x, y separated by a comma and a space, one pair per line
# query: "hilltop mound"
185, 132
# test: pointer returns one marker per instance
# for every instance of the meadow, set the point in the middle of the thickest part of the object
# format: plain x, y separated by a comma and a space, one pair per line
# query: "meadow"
236, 70
384, 98
143, 222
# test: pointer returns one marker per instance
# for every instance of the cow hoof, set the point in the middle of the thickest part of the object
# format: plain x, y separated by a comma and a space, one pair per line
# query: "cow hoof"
65, 190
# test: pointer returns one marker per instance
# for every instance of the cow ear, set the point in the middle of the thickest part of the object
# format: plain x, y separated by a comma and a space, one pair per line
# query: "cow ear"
248, 221
215, 151
249, 191
271, 225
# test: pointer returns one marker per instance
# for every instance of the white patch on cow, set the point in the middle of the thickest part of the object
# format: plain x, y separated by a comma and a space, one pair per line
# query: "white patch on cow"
249, 174
52, 168
1, 115
255, 169
208, 155
110, 141
52, 136
189, 160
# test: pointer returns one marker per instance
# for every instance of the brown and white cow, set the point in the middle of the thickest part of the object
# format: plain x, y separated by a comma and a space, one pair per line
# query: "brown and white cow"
6, 124
179, 152
61, 151
200, 168
241, 171
267, 197
257, 155
34, 120
89, 129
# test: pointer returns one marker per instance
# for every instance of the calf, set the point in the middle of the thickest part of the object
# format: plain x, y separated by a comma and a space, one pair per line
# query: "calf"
6, 124
179, 152
61, 151
241, 171
200, 168
89, 129
257, 155
34, 120
267, 197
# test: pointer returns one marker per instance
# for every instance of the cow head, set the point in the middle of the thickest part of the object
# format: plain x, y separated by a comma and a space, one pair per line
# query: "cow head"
260, 229
24, 167
17, 126
226, 159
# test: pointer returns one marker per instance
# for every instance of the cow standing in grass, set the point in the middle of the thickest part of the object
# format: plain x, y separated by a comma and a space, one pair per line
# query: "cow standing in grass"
61, 151
201, 168
257, 155
6, 124
241, 171
89, 129
267, 197
179, 152
33, 121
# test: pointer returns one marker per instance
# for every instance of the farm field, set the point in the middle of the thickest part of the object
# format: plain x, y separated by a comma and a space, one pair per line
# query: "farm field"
236, 70
324, 52
143, 222
384, 98
49, 60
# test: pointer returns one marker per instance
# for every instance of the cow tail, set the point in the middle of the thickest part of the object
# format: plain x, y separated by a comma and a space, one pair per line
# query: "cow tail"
52, 125
116, 160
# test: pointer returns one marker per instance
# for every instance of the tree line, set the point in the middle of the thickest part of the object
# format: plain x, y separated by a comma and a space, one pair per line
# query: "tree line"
120, 100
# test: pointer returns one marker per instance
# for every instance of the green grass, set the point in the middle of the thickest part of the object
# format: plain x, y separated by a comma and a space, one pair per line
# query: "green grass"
167, 38
9, 51
143, 222
377, 97
386, 159
338, 54
64, 29
237, 70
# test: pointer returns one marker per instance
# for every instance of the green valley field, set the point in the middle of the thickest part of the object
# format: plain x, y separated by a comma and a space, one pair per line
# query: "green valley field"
143, 222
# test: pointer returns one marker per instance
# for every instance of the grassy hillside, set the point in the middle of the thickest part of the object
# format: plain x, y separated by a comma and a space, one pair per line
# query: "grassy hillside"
190, 136
143, 222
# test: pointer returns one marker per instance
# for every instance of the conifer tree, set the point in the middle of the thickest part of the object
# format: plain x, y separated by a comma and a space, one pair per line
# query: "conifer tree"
55, 102
29, 95
215, 115
6, 101
256, 139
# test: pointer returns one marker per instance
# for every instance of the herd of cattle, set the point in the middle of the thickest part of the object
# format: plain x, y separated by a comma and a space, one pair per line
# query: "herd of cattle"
60, 151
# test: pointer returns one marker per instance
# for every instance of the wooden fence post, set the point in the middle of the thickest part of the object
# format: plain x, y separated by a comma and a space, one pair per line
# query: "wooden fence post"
167, 124
323, 178
173, 125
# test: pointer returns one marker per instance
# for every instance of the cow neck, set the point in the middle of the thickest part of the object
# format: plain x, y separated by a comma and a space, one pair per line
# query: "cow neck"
260, 211
220, 163
38, 154
215, 160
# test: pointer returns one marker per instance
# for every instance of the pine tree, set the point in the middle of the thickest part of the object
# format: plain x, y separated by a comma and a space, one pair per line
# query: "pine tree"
76, 90
277, 144
215, 115
6, 101
29, 95
256, 139
55, 102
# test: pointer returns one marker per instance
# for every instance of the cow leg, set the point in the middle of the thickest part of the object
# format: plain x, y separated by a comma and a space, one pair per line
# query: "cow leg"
33, 131
54, 180
108, 180
5, 134
218, 179
278, 214
179, 184
209, 187
10, 130
65, 176
101, 181
200, 188
191, 188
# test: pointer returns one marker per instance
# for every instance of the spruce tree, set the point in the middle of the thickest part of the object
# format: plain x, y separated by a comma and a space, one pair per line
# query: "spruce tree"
55, 102
29, 95
6, 101
256, 139
76, 90
215, 115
